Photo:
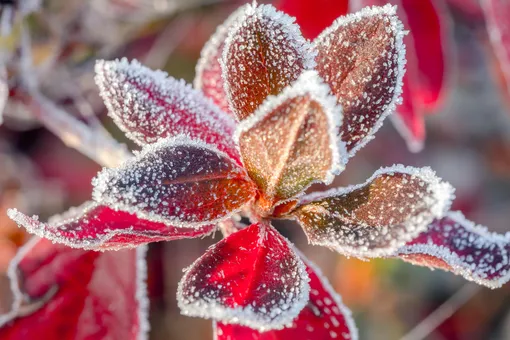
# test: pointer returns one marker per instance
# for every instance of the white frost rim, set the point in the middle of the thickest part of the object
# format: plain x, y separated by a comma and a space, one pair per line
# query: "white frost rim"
458, 266
245, 315
99, 182
442, 194
399, 33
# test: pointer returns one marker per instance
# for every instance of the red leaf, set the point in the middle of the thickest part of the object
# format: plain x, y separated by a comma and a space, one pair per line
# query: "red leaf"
375, 218
458, 245
324, 317
497, 13
98, 227
409, 120
73, 294
292, 141
208, 76
264, 53
313, 16
178, 181
149, 105
253, 278
428, 40
361, 56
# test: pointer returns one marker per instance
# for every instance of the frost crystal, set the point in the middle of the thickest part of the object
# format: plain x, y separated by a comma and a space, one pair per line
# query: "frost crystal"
264, 52
178, 181
455, 244
292, 140
375, 218
361, 56
149, 105
252, 278
98, 227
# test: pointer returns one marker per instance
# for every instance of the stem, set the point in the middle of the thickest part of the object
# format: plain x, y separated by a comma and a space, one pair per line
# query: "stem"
99, 147
443, 312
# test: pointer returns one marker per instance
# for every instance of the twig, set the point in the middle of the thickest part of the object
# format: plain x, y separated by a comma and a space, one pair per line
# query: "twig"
74, 133
443, 312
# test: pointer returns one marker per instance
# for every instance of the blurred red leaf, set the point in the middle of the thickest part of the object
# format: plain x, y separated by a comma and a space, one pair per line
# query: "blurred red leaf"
73, 294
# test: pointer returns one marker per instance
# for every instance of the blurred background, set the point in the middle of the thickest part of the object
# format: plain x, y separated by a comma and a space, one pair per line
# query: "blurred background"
467, 142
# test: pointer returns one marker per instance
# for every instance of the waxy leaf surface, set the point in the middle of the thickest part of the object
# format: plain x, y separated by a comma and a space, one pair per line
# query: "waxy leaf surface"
252, 278
149, 105
375, 218
292, 142
99, 227
73, 294
177, 181
456, 244
361, 56
208, 77
264, 53
324, 317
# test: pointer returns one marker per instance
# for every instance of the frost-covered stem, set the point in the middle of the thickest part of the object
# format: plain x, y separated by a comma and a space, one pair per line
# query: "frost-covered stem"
101, 148
447, 309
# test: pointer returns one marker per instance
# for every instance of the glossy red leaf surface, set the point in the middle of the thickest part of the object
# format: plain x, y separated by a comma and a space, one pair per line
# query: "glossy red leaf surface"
375, 218
73, 294
292, 141
314, 16
253, 278
149, 105
497, 13
178, 181
325, 317
361, 56
264, 53
208, 77
98, 227
455, 244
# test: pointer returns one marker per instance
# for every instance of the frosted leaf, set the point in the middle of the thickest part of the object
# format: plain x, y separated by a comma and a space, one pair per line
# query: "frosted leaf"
292, 141
177, 181
324, 317
252, 278
361, 56
98, 227
66, 293
149, 105
264, 52
497, 13
375, 218
208, 77
455, 244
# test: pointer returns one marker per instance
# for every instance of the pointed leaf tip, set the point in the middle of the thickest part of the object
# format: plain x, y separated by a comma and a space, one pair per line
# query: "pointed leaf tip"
264, 53
252, 278
177, 181
377, 217
456, 244
362, 56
